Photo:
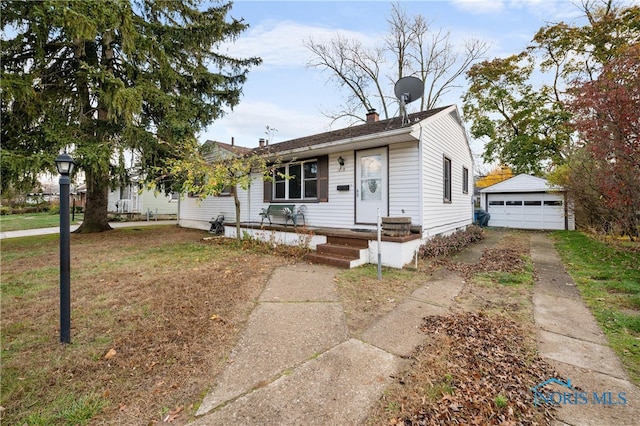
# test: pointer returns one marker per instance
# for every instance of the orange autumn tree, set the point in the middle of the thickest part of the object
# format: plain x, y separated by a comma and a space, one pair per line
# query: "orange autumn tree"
498, 174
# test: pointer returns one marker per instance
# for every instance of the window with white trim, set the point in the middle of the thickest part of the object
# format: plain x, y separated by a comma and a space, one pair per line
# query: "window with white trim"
296, 181
446, 178
465, 180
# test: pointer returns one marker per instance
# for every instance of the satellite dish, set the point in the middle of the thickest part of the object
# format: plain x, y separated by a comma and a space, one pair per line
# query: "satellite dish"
407, 90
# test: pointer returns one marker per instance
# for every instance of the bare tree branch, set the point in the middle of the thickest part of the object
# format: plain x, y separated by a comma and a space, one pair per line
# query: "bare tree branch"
410, 48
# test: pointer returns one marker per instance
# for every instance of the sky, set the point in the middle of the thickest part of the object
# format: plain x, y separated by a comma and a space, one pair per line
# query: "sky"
283, 93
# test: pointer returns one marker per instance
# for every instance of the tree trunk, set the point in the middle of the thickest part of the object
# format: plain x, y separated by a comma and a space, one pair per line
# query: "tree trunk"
95, 213
236, 200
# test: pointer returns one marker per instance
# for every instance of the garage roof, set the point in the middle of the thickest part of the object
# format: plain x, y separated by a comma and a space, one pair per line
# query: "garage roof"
521, 183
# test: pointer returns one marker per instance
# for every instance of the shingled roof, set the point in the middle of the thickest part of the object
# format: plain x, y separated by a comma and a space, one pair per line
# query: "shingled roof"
231, 148
348, 132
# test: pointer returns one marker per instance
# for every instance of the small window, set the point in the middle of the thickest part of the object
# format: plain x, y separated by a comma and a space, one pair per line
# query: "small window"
553, 203
533, 203
465, 180
197, 181
496, 203
514, 203
175, 196
225, 192
446, 178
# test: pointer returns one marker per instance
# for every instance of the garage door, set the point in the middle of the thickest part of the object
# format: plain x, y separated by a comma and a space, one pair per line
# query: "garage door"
526, 210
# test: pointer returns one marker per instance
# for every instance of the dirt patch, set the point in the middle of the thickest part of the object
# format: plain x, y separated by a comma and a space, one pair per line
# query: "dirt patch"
365, 299
154, 315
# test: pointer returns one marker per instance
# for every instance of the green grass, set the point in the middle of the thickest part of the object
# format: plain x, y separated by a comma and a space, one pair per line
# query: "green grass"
69, 410
17, 222
518, 280
608, 277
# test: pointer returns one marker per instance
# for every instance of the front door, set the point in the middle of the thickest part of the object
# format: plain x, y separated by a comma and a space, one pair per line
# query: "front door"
371, 185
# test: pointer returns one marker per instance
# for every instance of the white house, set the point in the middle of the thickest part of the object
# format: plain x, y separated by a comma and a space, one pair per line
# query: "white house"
341, 179
132, 199
527, 202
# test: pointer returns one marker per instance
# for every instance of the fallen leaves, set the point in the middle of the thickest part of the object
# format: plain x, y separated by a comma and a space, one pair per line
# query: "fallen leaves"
173, 414
482, 367
110, 354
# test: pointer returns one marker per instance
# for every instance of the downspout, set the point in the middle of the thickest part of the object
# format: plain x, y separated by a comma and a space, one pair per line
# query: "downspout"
421, 179
249, 203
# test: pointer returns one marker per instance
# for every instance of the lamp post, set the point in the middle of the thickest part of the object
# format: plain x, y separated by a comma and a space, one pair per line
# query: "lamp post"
64, 164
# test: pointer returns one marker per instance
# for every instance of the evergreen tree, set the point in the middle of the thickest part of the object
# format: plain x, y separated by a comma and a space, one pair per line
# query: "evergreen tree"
106, 79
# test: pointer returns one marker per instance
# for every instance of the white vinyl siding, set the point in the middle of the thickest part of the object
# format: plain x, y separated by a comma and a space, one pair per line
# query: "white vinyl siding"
211, 207
339, 211
444, 137
404, 187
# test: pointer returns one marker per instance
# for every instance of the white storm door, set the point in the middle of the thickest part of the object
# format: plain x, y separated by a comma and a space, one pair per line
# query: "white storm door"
371, 185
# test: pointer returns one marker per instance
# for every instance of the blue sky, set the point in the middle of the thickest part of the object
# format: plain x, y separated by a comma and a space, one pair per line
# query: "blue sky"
285, 94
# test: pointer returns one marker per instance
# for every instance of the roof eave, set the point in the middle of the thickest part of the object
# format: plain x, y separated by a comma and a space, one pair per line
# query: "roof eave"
358, 142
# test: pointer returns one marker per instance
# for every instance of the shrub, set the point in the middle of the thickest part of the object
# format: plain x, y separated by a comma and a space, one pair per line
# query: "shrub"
440, 246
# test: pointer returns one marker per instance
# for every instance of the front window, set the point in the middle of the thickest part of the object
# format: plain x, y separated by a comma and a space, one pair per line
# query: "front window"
296, 181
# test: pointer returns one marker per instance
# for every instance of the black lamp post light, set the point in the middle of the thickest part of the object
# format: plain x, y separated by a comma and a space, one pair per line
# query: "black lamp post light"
64, 164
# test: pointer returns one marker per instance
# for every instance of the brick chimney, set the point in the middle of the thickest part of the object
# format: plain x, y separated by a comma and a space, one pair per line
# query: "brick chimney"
372, 116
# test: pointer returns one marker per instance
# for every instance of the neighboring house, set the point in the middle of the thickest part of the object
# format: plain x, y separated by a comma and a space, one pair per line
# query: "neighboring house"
527, 202
421, 171
129, 199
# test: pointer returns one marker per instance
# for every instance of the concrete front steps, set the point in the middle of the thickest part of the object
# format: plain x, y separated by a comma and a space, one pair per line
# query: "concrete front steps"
342, 252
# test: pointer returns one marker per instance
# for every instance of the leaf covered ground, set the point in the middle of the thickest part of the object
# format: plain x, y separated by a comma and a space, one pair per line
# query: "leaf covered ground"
155, 312
479, 363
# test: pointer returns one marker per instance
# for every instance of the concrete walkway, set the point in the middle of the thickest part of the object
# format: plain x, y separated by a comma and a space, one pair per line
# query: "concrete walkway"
56, 229
570, 339
296, 364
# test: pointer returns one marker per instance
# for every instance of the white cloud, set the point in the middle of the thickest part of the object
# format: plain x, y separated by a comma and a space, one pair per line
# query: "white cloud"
247, 124
281, 44
480, 7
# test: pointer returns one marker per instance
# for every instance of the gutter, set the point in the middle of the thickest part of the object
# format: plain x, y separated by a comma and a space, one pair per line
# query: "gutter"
341, 142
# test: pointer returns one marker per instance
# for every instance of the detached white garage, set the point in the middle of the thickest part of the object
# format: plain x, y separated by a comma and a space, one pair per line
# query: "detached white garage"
527, 202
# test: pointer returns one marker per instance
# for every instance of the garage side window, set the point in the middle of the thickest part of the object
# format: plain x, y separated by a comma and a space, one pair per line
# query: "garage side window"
446, 178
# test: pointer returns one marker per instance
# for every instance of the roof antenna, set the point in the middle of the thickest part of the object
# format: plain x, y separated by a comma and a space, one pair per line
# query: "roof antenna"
407, 90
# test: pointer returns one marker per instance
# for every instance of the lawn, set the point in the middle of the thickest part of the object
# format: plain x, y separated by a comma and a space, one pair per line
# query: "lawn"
608, 276
155, 312
15, 222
